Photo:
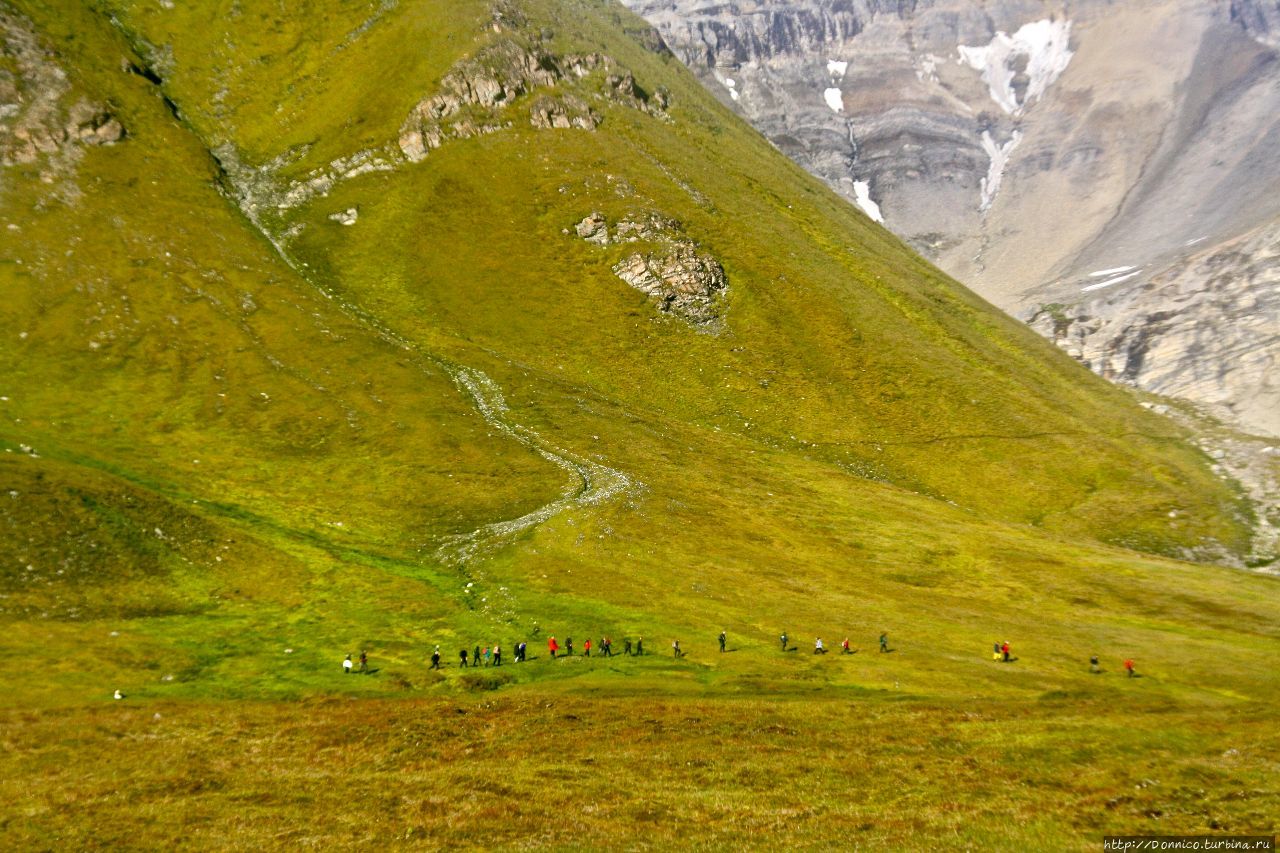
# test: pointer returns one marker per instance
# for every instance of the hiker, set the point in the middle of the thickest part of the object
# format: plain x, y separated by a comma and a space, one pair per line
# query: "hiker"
346, 666
639, 646
497, 655
818, 648
475, 656
462, 657
1093, 665
606, 646
520, 651
626, 646
568, 646
552, 646
675, 649
535, 629
884, 641
995, 651
488, 656
1128, 668
435, 658
723, 638
586, 647
844, 647
1004, 650
364, 662
783, 640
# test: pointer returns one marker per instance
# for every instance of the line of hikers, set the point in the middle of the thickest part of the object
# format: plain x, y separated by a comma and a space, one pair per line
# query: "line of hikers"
820, 648
492, 655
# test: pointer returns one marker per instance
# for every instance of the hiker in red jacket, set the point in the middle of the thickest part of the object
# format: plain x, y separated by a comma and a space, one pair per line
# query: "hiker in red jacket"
552, 646
1128, 668
586, 647
1004, 650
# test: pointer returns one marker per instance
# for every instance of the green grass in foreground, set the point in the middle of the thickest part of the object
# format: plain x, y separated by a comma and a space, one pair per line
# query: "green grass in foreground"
577, 772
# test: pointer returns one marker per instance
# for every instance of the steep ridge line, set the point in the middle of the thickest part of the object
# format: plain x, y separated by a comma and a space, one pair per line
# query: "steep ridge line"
995, 436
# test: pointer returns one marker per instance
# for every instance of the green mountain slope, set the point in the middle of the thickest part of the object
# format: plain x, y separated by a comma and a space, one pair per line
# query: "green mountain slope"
315, 358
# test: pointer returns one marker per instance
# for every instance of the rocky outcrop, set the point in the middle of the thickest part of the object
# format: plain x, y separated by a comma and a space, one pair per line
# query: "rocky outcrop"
345, 217
548, 112
41, 118
1026, 147
681, 280
474, 95
679, 277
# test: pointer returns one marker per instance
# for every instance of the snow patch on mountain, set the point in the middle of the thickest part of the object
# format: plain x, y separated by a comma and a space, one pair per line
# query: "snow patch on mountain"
1044, 43
999, 155
927, 68
836, 68
862, 195
1114, 280
834, 99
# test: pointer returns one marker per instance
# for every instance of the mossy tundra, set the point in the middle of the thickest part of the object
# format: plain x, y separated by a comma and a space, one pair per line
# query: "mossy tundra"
312, 359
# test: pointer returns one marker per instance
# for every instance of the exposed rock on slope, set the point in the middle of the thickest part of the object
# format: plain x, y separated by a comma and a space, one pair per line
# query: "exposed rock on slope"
40, 116
1024, 144
679, 276
501, 74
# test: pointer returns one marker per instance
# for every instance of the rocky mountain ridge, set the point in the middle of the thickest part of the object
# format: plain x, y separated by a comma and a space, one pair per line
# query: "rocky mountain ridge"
1041, 152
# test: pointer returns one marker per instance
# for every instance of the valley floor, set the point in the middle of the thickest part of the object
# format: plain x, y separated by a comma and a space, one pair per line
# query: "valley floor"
832, 768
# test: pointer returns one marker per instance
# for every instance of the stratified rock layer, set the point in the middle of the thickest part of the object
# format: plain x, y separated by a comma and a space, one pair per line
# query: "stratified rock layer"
1030, 148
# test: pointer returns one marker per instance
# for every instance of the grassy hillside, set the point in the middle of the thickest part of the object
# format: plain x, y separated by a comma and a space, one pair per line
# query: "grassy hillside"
240, 439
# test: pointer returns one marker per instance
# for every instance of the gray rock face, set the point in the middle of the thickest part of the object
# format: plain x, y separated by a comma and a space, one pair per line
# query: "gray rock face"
1028, 146
1154, 335
1260, 18
40, 118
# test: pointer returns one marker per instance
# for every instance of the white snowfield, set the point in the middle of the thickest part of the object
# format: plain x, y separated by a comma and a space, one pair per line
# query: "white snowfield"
732, 86
999, 155
927, 69
836, 68
834, 99
1110, 281
1044, 43
1113, 271
862, 195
